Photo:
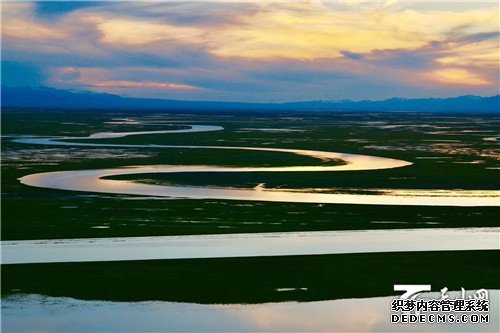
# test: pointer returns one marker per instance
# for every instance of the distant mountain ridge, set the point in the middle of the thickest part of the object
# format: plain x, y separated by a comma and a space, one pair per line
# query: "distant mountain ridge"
45, 97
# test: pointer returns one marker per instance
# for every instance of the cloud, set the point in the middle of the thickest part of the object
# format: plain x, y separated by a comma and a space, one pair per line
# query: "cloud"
52, 9
480, 52
96, 79
146, 84
458, 76
315, 32
352, 55
18, 22
258, 51
69, 74
135, 32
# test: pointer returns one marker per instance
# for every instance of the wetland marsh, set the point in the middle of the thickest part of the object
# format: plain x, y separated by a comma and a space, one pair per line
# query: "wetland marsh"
446, 160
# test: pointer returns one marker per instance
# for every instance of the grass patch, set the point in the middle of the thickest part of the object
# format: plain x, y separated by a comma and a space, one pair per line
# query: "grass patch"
255, 280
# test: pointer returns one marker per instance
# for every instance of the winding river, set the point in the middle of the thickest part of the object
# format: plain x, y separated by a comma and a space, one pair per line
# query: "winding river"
92, 180
241, 245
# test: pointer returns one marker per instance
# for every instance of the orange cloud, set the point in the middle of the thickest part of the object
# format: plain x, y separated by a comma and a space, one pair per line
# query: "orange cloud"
316, 32
138, 32
483, 53
105, 78
458, 76
19, 22
100, 45
301, 31
134, 84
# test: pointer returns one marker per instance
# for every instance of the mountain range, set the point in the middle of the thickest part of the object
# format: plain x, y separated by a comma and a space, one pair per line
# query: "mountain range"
46, 97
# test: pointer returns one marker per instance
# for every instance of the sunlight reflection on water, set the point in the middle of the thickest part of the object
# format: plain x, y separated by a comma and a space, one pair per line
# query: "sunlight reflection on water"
29, 313
248, 245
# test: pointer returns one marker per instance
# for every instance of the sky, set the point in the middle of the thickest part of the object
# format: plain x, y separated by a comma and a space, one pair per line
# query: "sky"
255, 51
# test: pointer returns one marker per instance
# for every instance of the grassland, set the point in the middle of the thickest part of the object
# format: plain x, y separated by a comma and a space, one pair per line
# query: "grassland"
465, 162
448, 152
255, 280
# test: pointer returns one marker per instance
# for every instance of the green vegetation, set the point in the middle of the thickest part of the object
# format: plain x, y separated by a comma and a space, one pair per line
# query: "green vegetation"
444, 142
448, 152
74, 216
255, 280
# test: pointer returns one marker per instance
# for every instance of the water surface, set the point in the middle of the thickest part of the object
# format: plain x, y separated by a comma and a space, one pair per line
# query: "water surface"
35, 313
248, 245
91, 180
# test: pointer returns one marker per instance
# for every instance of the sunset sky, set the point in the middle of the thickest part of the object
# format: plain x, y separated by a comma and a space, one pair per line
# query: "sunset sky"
256, 52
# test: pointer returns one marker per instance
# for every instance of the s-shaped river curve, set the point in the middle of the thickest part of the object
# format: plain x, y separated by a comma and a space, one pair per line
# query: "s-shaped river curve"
91, 180
234, 245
